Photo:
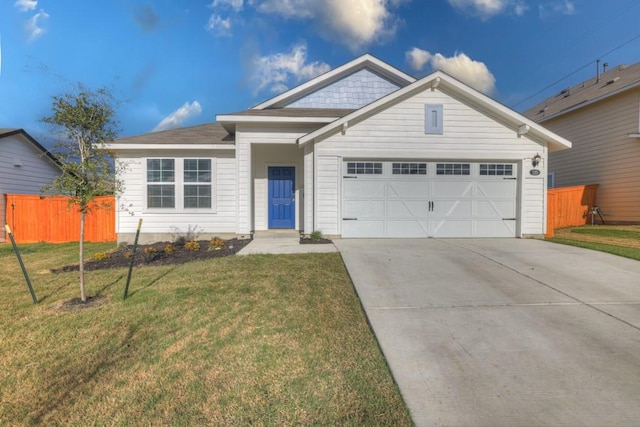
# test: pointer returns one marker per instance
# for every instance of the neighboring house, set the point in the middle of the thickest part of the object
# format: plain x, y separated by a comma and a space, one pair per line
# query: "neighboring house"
602, 118
25, 167
364, 150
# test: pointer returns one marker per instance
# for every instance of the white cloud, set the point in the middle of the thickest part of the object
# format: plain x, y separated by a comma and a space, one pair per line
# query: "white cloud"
236, 5
474, 73
219, 26
417, 58
486, 9
26, 5
275, 72
563, 7
33, 26
355, 23
178, 117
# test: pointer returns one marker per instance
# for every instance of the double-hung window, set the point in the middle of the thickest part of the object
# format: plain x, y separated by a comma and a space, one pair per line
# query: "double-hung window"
197, 183
161, 188
180, 184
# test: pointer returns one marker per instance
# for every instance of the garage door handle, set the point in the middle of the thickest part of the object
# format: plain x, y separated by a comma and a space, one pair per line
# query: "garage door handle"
349, 219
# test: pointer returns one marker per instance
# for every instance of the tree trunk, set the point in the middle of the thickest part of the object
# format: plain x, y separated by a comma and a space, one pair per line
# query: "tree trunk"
83, 295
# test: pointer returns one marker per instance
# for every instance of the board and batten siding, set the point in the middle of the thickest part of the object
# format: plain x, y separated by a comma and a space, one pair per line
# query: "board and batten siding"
602, 153
131, 204
36, 171
398, 132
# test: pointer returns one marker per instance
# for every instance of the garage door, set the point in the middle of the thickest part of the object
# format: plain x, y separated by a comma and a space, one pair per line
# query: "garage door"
429, 199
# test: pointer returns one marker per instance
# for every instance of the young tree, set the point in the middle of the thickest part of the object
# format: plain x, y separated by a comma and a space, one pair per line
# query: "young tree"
84, 121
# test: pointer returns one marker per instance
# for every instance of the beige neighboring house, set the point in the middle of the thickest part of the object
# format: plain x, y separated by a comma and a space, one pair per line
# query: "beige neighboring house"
601, 116
25, 167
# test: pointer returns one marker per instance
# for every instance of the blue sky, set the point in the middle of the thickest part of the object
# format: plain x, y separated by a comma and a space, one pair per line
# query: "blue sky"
180, 62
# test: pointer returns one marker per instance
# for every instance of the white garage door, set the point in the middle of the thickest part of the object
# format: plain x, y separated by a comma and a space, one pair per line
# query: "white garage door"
429, 199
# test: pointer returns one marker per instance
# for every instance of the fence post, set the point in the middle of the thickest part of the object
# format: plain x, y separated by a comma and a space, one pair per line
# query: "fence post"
24, 270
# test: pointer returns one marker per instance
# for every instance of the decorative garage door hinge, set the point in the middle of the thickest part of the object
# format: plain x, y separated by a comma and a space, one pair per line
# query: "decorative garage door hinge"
351, 177
349, 219
508, 219
510, 178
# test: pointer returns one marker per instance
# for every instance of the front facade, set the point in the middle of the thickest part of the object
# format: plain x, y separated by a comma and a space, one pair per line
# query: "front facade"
25, 167
361, 151
602, 117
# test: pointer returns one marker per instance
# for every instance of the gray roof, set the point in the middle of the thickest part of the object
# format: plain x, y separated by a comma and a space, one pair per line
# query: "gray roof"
615, 80
294, 112
210, 133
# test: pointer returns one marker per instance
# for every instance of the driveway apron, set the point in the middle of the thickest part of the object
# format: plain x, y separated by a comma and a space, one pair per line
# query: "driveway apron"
504, 332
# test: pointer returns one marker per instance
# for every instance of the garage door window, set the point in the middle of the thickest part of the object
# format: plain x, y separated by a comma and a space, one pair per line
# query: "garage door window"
409, 168
364, 168
498, 169
453, 169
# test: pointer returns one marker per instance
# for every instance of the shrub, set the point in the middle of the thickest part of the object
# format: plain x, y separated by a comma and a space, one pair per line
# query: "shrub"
169, 249
316, 235
99, 256
192, 245
150, 253
216, 244
127, 254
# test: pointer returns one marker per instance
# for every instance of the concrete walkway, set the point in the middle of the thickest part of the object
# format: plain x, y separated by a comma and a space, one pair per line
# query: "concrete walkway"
282, 242
504, 332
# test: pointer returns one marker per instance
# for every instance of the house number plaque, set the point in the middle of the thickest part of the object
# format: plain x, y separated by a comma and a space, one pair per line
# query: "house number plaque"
535, 172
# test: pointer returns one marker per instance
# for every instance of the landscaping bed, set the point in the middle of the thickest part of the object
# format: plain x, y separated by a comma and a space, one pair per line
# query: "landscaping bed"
164, 253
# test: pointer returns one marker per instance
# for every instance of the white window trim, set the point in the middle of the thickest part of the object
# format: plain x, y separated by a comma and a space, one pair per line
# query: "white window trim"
179, 186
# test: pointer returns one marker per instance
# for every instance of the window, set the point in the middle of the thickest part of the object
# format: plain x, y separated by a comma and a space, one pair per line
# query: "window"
453, 169
161, 183
409, 169
496, 169
433, 119
180, 184
197, 183
365, 168
551, 180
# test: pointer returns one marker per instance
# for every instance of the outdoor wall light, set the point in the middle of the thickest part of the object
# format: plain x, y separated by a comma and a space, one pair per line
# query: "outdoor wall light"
536, 160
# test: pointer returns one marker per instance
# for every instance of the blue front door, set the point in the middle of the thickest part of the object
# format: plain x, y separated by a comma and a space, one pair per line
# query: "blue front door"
282, 199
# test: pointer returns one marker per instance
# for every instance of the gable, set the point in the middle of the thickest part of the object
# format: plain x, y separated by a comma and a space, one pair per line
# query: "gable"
352, 91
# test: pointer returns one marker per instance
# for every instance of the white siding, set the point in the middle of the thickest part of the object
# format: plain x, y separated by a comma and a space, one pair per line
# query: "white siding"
131, 203
399, 133
328, 194
354, 91
35, 172
308, 193
603, 153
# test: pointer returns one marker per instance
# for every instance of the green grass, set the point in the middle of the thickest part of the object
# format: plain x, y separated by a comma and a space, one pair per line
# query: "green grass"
618, 240
258, 340
608, 232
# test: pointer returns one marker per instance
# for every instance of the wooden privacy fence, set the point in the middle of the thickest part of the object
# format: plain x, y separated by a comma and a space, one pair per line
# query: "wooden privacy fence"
569, 206
34, 218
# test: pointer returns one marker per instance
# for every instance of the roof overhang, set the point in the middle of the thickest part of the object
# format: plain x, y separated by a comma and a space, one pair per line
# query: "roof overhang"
118, 146
21, 132
447, 84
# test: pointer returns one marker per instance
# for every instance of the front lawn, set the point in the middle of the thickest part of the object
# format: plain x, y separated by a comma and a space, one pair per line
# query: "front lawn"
256, 340
618, 240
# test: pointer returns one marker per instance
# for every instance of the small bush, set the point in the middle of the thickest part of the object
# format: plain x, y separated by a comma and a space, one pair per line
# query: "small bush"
169, 249
192, 245
99, 256
316, 235
127, 254
216, 244
150, 253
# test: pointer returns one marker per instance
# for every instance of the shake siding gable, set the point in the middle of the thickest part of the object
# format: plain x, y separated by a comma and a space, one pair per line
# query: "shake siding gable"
603, 153
353, 91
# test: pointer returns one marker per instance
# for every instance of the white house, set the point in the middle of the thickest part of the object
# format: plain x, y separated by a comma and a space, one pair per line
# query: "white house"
364, 150
25, 167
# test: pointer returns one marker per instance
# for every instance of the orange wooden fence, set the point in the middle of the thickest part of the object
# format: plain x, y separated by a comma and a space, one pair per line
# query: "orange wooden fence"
569, 206
34, 218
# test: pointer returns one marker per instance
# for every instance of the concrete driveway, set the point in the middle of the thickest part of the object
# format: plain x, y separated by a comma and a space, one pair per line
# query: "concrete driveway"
505, 332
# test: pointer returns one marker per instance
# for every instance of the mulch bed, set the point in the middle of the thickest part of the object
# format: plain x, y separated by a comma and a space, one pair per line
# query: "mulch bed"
309, 241
158, 254
77, 304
